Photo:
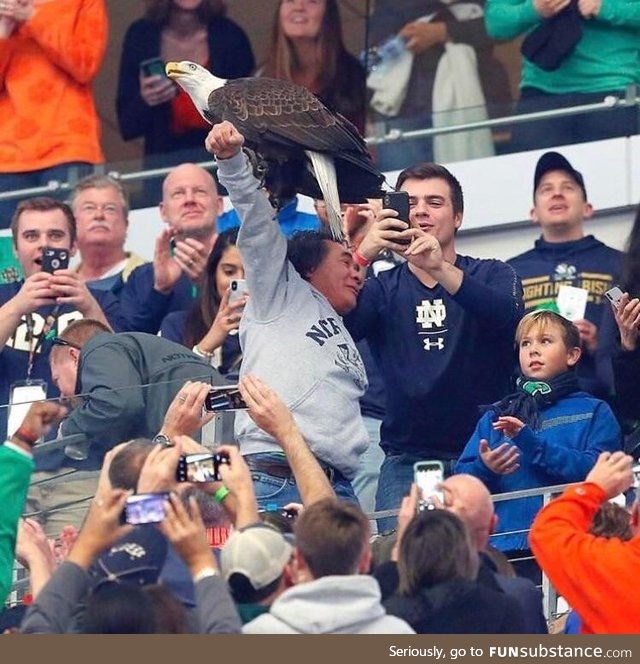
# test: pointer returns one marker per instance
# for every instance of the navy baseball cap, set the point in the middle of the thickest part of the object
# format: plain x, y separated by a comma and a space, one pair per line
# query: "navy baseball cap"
554, 161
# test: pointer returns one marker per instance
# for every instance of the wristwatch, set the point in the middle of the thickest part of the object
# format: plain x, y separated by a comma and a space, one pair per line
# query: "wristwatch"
161, 439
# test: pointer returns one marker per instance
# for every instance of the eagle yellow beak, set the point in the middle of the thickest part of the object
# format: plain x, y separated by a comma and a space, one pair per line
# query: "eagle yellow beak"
173, 70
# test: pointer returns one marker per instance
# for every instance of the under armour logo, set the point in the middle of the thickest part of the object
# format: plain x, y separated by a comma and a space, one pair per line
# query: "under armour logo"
431, 313
438, 343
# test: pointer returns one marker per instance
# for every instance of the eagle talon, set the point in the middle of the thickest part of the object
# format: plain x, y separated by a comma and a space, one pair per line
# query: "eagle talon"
258, 165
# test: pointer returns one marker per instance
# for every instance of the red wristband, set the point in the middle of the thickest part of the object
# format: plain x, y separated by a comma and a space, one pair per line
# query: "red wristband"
26, 436
360, 259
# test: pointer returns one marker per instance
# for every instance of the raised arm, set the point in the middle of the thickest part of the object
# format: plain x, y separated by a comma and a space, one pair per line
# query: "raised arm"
261, 244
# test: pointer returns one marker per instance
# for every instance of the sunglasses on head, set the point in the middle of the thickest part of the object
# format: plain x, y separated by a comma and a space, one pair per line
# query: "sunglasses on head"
58, 341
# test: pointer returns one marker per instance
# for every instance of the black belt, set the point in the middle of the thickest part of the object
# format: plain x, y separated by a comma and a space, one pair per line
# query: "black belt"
284, 471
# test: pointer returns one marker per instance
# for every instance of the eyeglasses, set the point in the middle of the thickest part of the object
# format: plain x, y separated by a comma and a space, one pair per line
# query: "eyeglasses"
109, 209
58, 341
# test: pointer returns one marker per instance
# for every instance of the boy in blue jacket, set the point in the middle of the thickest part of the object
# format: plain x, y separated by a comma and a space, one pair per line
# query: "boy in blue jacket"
547, 432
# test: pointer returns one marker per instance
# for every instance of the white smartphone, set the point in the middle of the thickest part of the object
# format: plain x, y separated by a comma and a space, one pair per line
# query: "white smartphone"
614, 295
428, 475
238, 289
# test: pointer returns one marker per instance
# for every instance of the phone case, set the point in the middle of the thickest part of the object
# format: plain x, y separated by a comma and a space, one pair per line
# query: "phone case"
398, 201
54, 259
238, 289
614, 294
153, 67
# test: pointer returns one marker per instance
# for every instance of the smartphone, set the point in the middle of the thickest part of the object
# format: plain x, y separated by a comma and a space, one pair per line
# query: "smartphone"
224, 398
238, 289
54, 259
398, 201
144, 508
614, 295
428, 475
153, 67
200, 467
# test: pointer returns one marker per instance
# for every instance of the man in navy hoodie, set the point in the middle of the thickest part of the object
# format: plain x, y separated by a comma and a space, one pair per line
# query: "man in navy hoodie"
564, 255
440, 327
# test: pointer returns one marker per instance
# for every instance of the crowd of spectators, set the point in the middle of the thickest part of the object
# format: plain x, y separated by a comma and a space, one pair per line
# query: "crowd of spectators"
441, 69
138, 353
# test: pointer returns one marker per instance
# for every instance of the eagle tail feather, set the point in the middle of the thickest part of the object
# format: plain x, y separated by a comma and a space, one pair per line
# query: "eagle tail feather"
325, 173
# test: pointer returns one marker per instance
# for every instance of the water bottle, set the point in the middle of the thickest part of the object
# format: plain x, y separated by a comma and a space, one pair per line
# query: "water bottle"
379, 58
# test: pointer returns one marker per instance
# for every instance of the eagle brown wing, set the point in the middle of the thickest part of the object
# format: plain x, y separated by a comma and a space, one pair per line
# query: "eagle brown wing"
280, 120
267, 110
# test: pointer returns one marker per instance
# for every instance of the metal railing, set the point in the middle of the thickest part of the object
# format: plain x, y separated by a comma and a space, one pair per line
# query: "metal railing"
549, 595
609, 103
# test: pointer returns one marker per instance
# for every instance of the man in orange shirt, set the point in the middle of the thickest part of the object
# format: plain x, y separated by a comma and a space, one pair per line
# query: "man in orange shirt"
592, 573
50, 53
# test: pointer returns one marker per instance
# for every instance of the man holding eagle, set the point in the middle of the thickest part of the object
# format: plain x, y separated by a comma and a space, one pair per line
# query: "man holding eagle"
293, 333
296, 138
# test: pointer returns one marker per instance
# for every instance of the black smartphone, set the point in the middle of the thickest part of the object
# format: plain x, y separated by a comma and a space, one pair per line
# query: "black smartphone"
428, 475
54, 259
398, 201
144, 508
224, 398
201, 467
153, 67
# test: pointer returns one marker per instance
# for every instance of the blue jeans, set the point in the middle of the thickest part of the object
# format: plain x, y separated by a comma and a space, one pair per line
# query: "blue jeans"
365, 483
396, 477
15, 181
276, 492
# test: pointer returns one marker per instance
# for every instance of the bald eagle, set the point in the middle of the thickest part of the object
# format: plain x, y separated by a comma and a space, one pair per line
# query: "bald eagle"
305, 147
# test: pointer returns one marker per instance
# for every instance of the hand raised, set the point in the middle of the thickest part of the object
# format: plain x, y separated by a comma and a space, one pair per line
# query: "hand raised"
503, 460
224, 140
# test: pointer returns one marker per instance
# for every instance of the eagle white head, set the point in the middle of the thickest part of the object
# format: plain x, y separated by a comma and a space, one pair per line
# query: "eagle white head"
196, 81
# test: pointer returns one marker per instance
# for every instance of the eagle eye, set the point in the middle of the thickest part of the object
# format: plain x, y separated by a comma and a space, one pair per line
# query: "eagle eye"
193, 67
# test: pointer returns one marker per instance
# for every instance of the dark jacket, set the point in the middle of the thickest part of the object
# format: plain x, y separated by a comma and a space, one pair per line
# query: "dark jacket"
230, 56
390, 16
14, 355
431, 346
58, 607
458, 607
626, 371
130, 380
522, 590
144, 308
585, 263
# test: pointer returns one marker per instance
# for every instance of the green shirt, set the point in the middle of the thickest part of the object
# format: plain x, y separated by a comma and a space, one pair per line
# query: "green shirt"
15, 469
606, 58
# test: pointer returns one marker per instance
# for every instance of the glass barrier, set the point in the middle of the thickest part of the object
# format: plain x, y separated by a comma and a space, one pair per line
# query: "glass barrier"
446, 137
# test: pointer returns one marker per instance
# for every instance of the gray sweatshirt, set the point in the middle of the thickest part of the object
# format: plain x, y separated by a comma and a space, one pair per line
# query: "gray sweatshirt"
330, 605
59, 606
292, 338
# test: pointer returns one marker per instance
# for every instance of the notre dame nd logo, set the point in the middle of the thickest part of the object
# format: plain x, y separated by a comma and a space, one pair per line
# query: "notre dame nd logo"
431, 316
